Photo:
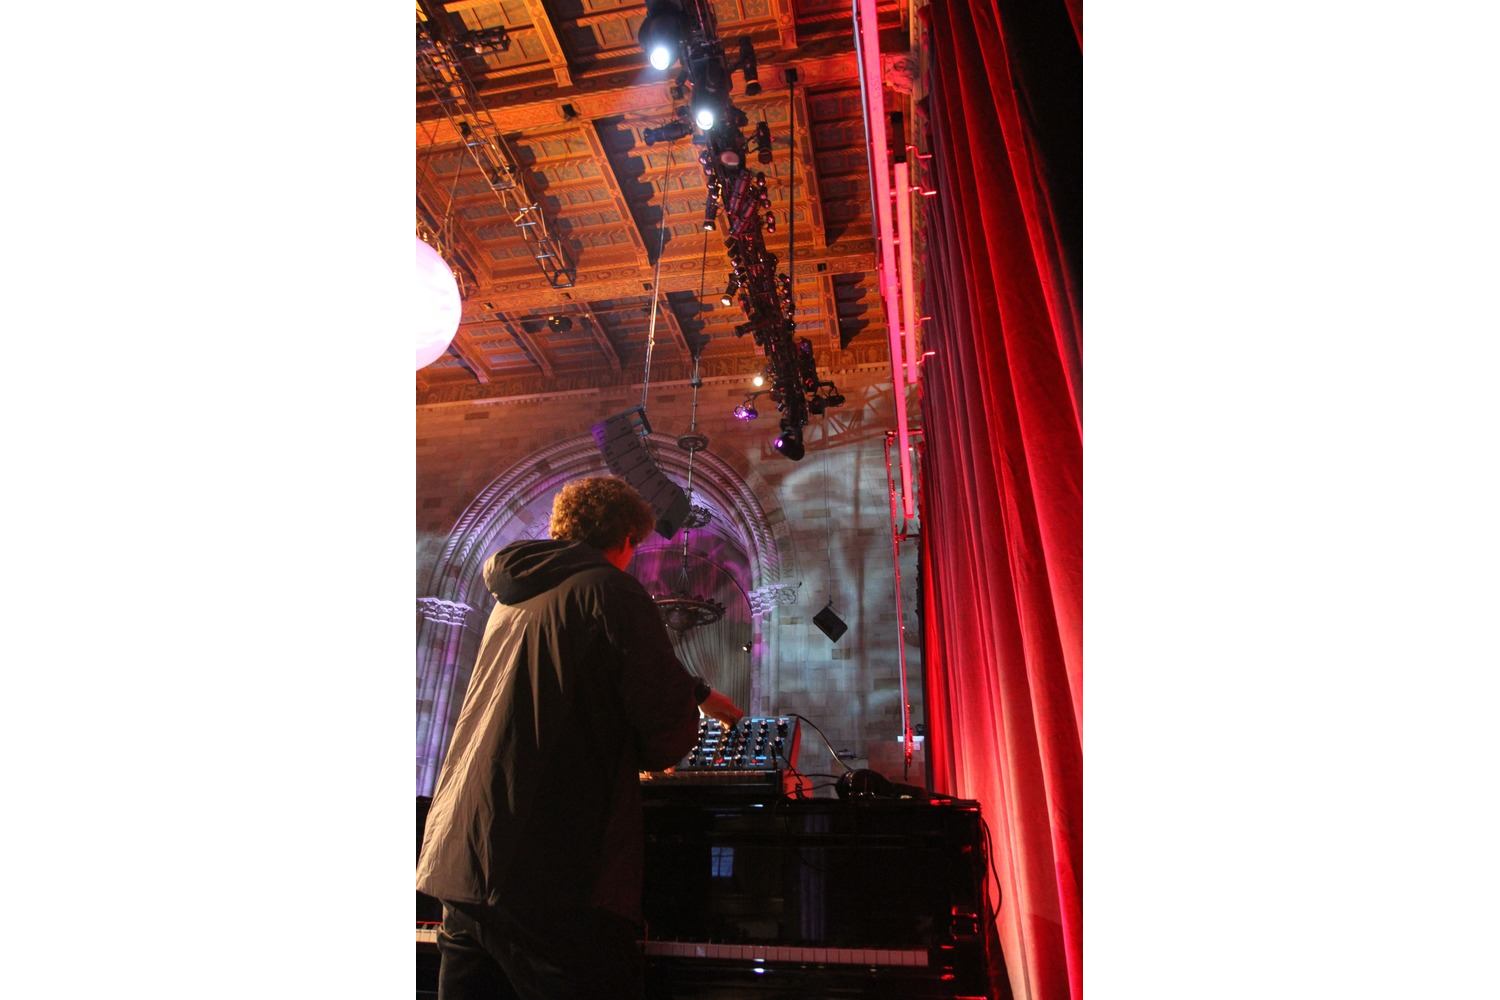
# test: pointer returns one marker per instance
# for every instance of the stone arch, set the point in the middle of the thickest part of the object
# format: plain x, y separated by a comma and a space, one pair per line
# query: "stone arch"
452, 612
737, 508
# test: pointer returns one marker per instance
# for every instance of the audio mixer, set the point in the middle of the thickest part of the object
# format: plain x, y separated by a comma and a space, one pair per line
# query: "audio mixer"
753, 755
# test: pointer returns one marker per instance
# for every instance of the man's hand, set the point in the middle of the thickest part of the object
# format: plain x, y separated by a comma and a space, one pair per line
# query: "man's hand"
718, 706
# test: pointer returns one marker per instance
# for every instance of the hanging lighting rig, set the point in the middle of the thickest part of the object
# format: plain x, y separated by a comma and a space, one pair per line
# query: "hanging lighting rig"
685, 34
441, 52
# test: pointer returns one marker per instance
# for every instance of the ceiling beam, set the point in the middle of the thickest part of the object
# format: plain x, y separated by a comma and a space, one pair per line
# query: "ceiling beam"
556, 58
470, 355
678, 274
600, 336
519, 108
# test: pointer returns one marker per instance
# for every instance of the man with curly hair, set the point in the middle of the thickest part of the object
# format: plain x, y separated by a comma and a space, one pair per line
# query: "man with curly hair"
534, 840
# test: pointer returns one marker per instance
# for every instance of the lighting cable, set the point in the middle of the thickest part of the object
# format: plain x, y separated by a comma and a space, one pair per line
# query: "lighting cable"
703, 267
791, 181
661, 244
828, 580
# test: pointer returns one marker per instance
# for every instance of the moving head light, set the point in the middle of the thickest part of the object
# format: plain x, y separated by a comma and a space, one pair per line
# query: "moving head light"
662, 32
666, 133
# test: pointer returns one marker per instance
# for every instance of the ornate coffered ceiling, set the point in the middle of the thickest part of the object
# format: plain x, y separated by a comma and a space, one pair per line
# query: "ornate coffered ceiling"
570, 95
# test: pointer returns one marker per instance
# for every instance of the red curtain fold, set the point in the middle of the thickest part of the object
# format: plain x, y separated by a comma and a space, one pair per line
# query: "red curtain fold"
1002, 463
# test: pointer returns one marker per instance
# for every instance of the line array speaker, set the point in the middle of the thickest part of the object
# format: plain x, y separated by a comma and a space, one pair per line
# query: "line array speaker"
619, 439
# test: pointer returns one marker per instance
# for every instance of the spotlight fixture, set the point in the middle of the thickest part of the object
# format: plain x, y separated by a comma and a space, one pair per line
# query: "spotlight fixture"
789, 442
661, 33
748, 68
487, 40
666, 133
710, 97
746, 411
709, 211
759, 381
763, 142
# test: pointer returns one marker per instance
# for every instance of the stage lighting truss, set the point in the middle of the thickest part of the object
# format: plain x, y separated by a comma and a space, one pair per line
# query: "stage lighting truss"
738, 202
441, 51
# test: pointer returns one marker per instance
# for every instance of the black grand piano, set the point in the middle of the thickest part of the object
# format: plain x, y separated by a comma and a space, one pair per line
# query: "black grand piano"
754, 894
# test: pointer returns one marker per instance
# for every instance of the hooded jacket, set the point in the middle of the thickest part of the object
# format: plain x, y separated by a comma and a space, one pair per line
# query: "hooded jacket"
576, 689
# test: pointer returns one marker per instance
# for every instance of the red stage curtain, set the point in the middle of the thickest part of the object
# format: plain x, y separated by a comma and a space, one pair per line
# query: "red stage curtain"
1002, 464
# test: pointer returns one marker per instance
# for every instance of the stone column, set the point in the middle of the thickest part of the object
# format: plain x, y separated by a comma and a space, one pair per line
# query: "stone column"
442, 677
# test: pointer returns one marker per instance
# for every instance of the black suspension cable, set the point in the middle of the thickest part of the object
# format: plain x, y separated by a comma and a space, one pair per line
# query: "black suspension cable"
656, 283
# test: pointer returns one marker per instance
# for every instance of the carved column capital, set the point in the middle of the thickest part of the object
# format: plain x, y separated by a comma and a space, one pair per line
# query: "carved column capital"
765, 599
441, 612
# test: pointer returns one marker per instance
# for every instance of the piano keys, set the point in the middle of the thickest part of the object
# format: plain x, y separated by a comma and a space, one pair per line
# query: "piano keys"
709, 970
758, 954
785, 954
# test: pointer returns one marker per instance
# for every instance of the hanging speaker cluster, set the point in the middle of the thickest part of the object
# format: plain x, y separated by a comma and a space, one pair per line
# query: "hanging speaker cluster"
619, 439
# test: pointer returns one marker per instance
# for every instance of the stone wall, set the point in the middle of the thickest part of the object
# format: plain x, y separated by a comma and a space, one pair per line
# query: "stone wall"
827, 520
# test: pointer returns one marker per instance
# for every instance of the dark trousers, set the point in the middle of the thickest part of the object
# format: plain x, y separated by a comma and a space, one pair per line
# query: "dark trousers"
491, 953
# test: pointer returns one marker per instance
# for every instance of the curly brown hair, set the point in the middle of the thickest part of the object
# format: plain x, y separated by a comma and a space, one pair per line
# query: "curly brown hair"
601, 511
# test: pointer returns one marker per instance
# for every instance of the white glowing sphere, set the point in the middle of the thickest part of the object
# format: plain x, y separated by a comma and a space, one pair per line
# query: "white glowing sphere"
705, 119
438, 306
661, 56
